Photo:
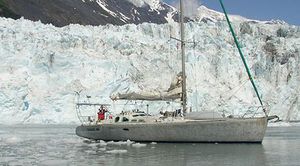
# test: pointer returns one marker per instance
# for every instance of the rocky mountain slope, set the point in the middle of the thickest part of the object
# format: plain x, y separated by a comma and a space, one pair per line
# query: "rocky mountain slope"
88, 12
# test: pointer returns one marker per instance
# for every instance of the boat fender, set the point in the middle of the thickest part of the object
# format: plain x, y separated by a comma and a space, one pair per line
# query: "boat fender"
117, 119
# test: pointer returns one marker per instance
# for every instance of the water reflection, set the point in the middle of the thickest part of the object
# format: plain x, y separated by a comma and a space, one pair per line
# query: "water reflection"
195, 154
58, 145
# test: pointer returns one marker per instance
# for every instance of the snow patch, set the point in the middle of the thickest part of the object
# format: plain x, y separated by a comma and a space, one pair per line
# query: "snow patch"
104, 7
206, 13
153, 4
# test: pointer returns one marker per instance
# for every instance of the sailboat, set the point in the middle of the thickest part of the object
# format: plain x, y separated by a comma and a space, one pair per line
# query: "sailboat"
140, 126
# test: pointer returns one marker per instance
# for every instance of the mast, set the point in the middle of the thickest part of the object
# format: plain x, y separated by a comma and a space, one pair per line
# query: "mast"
182, 31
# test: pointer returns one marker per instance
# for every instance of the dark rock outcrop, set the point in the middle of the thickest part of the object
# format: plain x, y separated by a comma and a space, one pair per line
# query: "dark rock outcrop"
84, 12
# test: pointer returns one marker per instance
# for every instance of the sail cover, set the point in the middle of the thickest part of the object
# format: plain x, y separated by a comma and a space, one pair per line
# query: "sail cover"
173, 93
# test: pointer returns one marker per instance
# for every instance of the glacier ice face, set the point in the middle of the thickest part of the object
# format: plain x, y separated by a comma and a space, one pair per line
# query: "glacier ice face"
42, 66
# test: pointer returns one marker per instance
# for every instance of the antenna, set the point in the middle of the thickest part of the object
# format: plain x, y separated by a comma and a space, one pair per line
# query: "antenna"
182, 32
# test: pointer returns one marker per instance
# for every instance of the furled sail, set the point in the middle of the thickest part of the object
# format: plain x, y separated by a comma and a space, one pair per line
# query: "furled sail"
173, 93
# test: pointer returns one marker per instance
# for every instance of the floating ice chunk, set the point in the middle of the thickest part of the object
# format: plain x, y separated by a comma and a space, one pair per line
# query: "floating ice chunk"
55, 162
153, 143
7, 159
121, 143
13, 140
128, 142
138, 145
102, 149
87, 141
116, 143
90, 151
102, 143
16, 163
72, 141
116, 151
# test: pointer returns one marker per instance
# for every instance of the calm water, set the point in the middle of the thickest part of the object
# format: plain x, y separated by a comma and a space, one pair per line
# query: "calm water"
58, 145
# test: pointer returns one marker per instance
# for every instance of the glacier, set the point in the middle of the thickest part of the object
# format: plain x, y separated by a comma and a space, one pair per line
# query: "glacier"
42, 67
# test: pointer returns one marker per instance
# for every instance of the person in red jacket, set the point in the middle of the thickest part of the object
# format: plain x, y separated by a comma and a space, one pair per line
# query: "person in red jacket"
101, 113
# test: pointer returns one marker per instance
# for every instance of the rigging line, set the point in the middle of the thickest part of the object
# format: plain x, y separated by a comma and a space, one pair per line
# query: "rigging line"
231, 95
235, 92
242, 56
239, 87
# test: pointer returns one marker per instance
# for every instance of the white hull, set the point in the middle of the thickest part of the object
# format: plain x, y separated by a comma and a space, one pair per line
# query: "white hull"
250, 130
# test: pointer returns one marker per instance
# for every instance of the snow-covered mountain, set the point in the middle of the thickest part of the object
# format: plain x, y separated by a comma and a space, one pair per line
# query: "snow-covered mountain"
89, 12
42, 66
205, 14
